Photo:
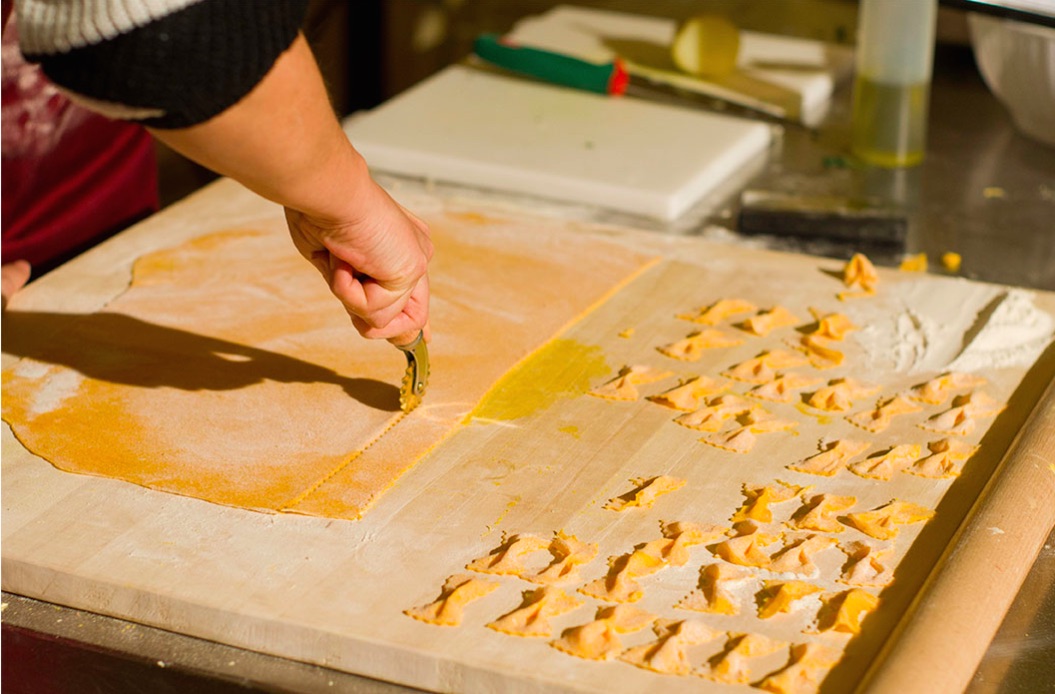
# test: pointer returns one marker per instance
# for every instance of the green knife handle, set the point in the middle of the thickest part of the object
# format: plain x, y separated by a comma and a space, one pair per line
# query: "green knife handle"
604, 78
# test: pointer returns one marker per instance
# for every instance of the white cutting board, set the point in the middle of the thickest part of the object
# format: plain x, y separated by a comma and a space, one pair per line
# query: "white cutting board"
471, 127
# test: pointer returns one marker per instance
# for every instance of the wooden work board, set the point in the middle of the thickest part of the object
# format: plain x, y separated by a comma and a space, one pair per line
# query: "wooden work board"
332, 591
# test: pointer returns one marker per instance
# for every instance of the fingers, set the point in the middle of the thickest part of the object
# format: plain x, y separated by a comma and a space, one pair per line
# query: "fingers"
375, 265
14, 276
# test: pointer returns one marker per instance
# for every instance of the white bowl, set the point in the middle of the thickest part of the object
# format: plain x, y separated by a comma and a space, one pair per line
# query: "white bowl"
1017, 61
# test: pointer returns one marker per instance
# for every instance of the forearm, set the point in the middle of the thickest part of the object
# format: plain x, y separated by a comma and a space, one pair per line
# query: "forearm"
283, 141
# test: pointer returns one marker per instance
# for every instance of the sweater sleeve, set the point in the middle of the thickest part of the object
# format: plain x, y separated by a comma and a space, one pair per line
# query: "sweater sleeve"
163, 63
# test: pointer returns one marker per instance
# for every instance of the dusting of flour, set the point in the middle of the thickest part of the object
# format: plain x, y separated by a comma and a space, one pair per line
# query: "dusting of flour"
1013, 334
939, 325
58, 385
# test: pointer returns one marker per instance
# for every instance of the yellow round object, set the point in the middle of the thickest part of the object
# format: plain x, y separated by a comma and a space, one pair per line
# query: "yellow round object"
706, 46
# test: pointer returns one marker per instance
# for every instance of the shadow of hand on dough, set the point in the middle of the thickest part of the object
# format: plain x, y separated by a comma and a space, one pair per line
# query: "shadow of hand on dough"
121, 349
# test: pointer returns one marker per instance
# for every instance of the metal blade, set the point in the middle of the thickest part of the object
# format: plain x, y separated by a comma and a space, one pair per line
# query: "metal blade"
416, 377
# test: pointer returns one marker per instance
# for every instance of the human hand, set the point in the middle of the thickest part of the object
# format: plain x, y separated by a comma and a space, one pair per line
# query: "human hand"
14, 277
375, 259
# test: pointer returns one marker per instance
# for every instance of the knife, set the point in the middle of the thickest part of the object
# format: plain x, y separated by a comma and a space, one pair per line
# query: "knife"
613, 78
416, 377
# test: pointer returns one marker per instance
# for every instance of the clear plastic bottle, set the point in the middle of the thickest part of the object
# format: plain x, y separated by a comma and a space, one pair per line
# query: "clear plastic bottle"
895, 53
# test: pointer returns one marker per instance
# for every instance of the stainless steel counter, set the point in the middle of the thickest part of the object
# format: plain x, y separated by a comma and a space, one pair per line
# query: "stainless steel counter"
983, 191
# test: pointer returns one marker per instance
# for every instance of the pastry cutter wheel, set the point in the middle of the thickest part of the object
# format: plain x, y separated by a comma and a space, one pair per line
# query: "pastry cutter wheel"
417, 375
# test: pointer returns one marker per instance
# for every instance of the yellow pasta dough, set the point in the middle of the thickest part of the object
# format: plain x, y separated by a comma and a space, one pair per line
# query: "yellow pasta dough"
833, 326
645, 493
764, 367
883, 523
844, 611
946, 459
865, 565
937, 390
568, 554
807, 665
508, 558
687, 396
716, 413
758, 499
733, 664
668, 654
533, 615
779, 597
796, 556
820, 511
691, 348
860, 273
839, 394
717, 581
447, 610
768, 321
833, 458
783, 388
599, 639
745, 547
719, 311
884, 465
879, 419
622, 387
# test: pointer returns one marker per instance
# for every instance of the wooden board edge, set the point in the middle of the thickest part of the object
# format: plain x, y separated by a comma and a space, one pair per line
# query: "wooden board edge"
972, 586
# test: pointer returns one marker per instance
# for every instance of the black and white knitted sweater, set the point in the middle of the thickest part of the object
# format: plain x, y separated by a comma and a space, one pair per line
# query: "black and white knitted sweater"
164, 63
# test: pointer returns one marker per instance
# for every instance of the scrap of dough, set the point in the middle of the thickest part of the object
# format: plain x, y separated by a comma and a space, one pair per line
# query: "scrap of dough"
669, 653
839, 394
945, 460
764, 367
568, 554
716, 413
715, 592
758, 499
599, 640
745, 547
732, 665
883, 523
457, 592
645, 493
796, 556
937, 390
844, 611
678, 536
819, 352
691, 348
865, 565
834, 326
533, 615
508, 557
883, 466
820, 511
777, 597
742, 439
859, 272
832, 459
914, 263
687, 396
808, 663
622, 386
783, 388
620, 583
961, 418
768, 321
879, 419
719, 311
